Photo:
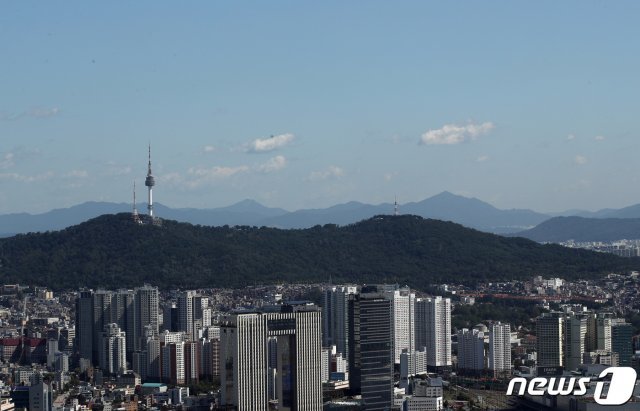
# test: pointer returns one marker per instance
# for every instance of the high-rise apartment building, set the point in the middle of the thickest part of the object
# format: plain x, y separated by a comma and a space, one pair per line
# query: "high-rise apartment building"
433, 330
603, 326
185, 312
132, 310
122, 313
403, 319
173, 362
101, 308
113, 350
471, 356
335, 319
500, 348
146, 314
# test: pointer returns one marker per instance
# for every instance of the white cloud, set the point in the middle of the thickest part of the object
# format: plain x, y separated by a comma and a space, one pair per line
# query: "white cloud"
269, 144
209, 149
26, 179
37, 112
6, 161
202, 175
580, 160
331, 172
274, 164
115, 169
171, 178
216, 171
599, 138
571, 137
455, 134
482, 159
77, 174
389, 176
43, 112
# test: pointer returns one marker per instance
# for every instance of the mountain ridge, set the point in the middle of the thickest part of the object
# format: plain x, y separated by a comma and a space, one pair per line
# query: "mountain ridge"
582, 229
112, 251
470, 212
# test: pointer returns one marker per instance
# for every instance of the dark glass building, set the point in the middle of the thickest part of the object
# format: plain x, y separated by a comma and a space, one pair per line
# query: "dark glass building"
371, 348
621, 342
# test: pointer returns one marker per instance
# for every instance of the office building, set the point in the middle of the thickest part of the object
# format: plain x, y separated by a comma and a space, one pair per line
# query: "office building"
621, 341
245, 358
40, 397
549, 342
371, 348
575, 337
84, 324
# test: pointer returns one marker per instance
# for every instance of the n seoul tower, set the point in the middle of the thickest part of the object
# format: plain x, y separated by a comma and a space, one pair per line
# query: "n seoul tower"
150, 182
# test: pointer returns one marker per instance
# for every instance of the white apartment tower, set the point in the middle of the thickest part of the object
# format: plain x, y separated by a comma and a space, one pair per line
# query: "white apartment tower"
185, 312
433, 329
500, 348
113, 350
403, 319
173, 362
603, 333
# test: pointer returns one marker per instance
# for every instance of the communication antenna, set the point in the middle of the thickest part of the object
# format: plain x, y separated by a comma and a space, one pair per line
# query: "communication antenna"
135, 215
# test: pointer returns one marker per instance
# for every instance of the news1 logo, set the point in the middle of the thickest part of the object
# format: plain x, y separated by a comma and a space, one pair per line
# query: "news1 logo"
623, 381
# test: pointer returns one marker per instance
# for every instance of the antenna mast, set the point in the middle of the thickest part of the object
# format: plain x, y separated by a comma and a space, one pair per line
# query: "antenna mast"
134, 215
395, 207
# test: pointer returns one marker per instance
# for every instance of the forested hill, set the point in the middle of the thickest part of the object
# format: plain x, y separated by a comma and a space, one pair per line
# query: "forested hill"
111, 251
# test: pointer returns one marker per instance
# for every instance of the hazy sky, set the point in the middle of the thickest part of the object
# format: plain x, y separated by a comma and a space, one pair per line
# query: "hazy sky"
521, 104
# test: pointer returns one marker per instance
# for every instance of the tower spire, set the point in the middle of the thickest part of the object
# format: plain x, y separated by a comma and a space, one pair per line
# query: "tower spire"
150, 182
136, 217
395, 206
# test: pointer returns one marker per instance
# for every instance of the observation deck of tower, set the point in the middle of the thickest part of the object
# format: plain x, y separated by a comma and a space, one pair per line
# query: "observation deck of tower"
150, 182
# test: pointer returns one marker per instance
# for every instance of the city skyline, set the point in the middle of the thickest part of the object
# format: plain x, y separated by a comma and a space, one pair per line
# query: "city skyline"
301, 106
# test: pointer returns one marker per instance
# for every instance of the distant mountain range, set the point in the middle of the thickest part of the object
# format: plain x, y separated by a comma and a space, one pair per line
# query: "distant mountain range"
632, 211
559, 229
446, 206
112, 251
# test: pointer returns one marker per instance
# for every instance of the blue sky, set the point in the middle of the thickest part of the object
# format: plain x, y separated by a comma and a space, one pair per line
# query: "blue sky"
521, 104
